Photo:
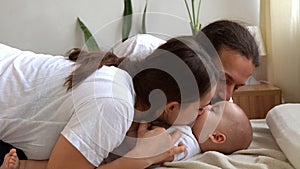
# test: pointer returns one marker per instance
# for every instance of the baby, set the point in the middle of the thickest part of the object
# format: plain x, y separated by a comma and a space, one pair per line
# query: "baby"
222, 127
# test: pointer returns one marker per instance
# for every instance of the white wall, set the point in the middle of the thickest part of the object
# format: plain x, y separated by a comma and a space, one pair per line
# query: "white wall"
51, 27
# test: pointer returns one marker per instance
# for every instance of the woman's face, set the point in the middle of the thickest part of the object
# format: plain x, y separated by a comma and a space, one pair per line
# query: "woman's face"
188, 112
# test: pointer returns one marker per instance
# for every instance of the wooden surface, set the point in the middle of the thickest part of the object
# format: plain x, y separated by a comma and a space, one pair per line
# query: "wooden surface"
257, 100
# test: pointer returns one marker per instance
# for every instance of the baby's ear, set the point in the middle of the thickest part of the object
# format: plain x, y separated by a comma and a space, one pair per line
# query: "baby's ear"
217, 137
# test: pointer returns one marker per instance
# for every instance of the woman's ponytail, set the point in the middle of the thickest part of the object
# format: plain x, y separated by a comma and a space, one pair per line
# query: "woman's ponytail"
87, 63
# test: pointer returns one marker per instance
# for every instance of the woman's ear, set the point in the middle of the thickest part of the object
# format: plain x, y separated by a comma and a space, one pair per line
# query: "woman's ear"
172, 106
217, 137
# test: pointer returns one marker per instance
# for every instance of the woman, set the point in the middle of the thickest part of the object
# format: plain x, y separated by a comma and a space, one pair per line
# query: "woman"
77, 126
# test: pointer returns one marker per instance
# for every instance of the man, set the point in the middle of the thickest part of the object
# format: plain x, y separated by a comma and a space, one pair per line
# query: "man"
238, 53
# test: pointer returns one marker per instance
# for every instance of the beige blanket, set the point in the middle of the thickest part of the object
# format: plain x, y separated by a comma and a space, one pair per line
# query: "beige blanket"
263, 153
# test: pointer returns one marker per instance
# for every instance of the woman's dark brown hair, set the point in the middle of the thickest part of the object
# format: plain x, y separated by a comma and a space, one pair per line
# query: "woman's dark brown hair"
180, 68
184, 82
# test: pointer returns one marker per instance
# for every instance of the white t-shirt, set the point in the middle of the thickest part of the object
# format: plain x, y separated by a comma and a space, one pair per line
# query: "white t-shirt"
187, 138
35, 107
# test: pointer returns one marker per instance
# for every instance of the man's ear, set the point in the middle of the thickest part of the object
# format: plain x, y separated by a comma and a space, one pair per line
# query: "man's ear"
172, 106
217, 137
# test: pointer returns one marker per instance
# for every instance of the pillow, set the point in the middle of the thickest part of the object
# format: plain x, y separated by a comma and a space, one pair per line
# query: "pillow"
284, 123
138, 47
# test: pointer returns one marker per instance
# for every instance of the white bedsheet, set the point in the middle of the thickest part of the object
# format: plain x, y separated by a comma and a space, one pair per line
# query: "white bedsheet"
284, 123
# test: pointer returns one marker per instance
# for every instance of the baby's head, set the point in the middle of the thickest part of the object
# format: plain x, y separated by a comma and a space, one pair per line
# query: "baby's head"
223, 127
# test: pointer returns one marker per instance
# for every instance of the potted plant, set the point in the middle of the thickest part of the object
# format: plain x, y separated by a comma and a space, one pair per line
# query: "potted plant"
192, 9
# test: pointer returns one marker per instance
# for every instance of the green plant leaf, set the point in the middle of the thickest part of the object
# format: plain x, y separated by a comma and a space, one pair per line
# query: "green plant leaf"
144, 18
89, 39
127, 19
198, 14
193, 12
189, 12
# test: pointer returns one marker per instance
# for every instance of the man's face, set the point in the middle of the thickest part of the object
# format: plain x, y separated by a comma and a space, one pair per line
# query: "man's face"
237, 69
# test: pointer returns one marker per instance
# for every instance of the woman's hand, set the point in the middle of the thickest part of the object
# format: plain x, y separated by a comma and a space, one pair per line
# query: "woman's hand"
155, 145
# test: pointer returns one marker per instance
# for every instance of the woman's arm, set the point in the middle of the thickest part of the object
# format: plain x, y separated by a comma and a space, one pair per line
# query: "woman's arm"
154, 146
140, 157
33, 164
149, 150
66, 156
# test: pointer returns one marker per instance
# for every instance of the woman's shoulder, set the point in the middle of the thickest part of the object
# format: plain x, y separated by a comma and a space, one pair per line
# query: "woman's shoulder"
107, 82
115, 76
113, 71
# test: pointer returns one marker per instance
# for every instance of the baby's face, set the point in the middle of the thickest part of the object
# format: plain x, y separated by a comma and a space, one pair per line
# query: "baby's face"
208, 121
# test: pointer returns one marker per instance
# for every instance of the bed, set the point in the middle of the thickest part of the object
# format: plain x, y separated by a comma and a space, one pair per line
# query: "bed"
276, 139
